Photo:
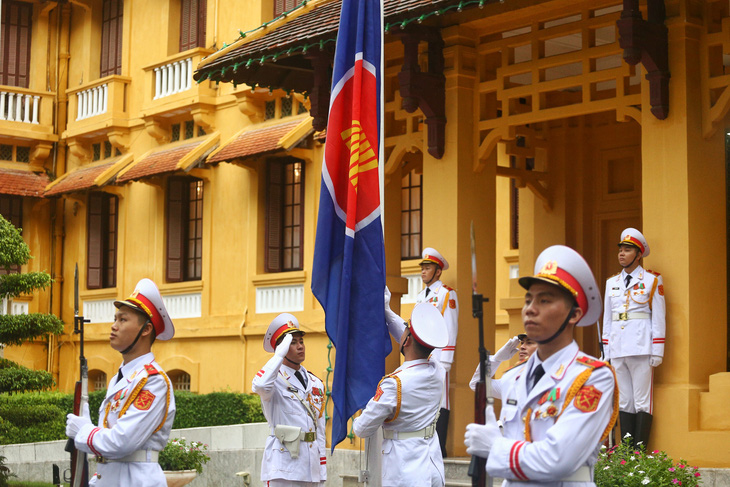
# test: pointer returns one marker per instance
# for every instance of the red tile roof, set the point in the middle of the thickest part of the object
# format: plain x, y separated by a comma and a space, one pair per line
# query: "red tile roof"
157, 163
319, 24
254, 142
22, 183
80, 179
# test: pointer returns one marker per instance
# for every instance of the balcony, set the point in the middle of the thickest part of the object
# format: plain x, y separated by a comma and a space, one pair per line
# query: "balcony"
101, 106
170, 89
27, 114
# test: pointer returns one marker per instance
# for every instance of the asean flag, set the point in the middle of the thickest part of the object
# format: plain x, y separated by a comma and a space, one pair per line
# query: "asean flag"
348, 275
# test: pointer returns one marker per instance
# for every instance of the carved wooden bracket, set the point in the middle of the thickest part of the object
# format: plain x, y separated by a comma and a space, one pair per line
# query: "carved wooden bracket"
119, 139
155, 129
248, 106
39, 154
203, 115
646, 41
425, 90
320, 93
79, 150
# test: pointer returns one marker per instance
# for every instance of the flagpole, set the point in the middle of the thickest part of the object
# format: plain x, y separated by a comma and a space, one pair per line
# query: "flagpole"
373, 444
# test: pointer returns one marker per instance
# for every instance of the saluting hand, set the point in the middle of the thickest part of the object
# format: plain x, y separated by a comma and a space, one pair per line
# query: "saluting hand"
283, 348
480, 437
75, 423
510, 348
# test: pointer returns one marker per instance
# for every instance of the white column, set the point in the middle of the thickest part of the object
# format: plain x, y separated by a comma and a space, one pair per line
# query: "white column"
3, 97
26, 111
176, 76
11, 111
104, 97
188, 72
18, 107
79, 105
158, 83
36, 101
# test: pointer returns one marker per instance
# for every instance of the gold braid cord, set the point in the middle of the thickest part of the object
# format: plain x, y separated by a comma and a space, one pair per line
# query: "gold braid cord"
398, 389
578, 383
653, 288
132, 397
167, 402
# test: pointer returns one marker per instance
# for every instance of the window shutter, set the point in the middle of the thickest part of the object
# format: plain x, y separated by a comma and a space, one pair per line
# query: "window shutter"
17, 18
185, 21
278, 7
111, 37
273, 215
176, 223
94, 245
111, 215
202, 19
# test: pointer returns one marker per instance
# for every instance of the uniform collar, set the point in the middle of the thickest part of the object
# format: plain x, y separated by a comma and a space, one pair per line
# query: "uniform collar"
555, 368
435, 286
128, 371
289, 374
637, 274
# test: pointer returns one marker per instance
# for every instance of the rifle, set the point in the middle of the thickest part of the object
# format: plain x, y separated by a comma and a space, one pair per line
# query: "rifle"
79, 463
483, 391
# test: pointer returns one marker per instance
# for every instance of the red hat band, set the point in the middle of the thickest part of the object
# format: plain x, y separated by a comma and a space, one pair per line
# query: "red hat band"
280, 331
151, 311
434, 259
413, 333
569, 283
634, 241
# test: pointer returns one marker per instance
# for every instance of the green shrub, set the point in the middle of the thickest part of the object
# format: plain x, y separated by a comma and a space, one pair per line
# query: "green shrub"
41, 416
216, 409
178, 454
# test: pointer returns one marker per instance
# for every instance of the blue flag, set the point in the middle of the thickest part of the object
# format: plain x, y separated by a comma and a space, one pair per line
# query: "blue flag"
348, 275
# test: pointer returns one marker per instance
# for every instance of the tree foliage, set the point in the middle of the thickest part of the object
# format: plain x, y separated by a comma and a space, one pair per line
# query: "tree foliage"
17, 329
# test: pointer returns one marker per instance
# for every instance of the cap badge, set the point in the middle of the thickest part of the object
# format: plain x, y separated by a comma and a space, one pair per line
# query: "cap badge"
550, 268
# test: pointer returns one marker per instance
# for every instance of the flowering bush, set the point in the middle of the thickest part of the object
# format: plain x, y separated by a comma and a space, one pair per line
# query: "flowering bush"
630, 466
179, 455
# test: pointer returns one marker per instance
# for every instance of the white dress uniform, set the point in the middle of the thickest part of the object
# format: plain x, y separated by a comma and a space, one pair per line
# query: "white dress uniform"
286, 401
634, 329
498, 384
444, 299
135, 419
406, 404
555, 430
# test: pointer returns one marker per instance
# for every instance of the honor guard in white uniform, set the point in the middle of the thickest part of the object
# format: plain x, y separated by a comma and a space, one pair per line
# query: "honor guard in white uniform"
293, 403
444, 299
561, 404
136, 415
633, 333
526, 348
407, 402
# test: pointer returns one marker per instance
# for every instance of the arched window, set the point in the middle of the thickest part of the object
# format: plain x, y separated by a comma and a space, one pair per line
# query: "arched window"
180, 380
97, 380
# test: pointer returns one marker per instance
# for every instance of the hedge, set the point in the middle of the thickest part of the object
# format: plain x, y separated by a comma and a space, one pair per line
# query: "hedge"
41, 416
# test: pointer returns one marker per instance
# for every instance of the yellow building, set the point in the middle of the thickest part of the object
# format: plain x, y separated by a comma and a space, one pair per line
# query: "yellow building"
522, 116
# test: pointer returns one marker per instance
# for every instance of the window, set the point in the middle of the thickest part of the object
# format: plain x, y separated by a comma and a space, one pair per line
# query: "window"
111, 38
411, 216
286, 106
284, 214
11, 207
270, 110
180, 380
97, 380
103, 213
281, 6
184, 229
192, 24
17, 18
186, 129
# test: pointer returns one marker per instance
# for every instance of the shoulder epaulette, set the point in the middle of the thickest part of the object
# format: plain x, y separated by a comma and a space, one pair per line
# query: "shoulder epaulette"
653, 272
151, 370
614, 275
590, 362
448, 288
517, 365
308, 372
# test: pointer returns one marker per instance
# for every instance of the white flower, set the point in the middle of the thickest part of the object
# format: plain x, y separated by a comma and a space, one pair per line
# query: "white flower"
631, 474
639, 443
606, 467
645, 481
633, 458
650, 456
627, 435
641, 471
603, 447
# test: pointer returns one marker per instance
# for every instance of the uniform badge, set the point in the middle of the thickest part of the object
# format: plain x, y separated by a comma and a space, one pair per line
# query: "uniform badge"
552, 410
378, 393
636, 286
316, 391
144, 400
151, 370
587, 399
549, 268
512, 402
551, 396
661, 289
452, 304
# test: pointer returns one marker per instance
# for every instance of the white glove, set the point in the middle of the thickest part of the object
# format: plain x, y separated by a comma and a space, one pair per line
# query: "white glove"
283, 348
75, 423
510, 348
446, 366
391, 317
480, 437
387, 298
655, 360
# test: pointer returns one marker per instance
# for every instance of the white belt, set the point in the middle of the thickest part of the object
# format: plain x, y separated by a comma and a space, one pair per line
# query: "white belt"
426, 433
583, 474
303, 435
630, 316
139, 456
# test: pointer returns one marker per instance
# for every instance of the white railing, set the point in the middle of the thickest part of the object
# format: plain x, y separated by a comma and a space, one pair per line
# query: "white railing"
19, 107
19, 308
92, 102
415, 284
278, 299
99, 311
178, 305
173, 78
183, 305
